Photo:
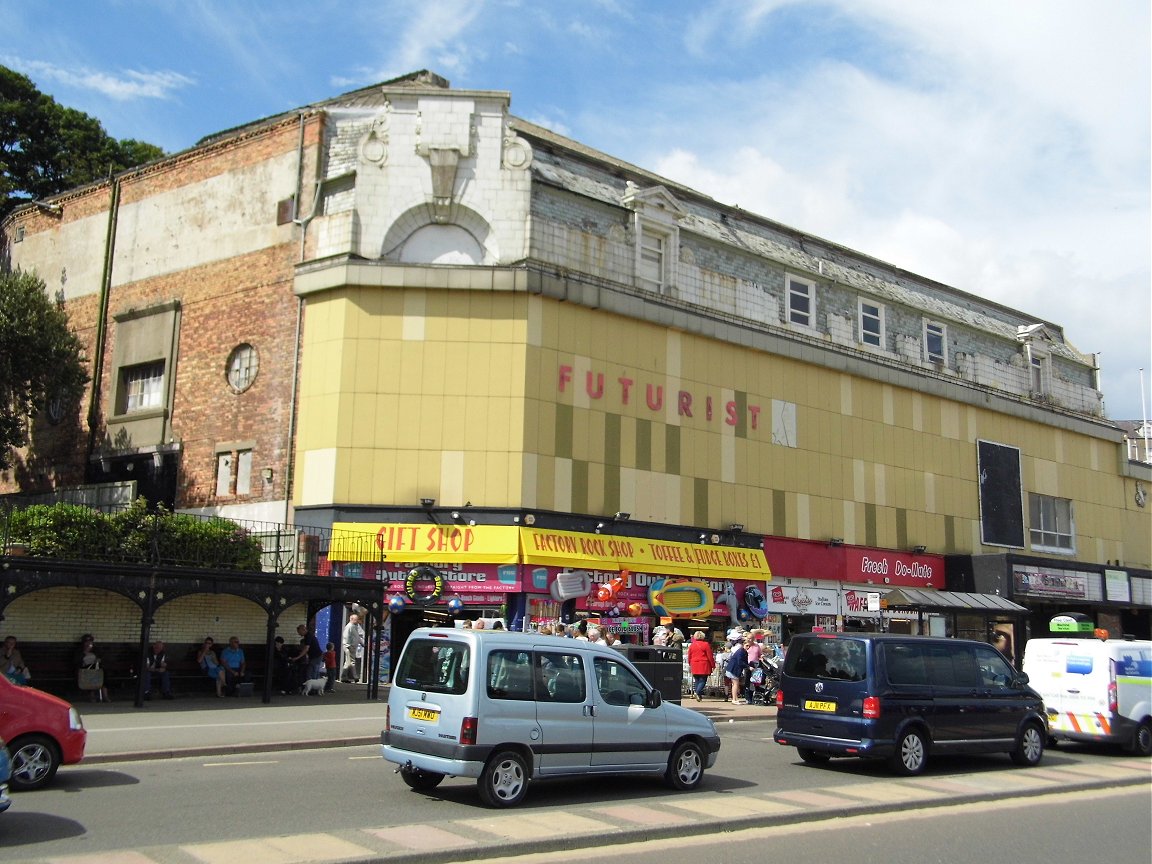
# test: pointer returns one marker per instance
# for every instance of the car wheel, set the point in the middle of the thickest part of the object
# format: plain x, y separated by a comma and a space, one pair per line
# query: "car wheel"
812, 757
34, 762
1029, 746
504, 780
1142, 740
419, 780
911, 753
685, 767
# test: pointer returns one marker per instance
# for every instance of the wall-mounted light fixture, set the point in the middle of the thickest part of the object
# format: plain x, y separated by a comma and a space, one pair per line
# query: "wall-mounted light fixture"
736, 526
105, 465
621, 516
599, 527
703, 538
836, 541
427, 502
919, 550
530, 519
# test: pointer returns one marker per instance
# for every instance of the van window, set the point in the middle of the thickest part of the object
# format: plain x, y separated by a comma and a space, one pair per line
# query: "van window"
434, 665
617, 684
843, 659
905, 664
952, 666
509, 675
995, 672
560, 677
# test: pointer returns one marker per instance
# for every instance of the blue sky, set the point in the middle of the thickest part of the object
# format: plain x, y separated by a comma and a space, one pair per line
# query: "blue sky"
999, 147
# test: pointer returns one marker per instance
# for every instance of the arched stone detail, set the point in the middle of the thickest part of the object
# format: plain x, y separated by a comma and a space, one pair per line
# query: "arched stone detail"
424, 215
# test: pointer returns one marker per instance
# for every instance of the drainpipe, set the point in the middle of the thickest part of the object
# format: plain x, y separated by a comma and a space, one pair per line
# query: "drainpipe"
102, 317
290, 461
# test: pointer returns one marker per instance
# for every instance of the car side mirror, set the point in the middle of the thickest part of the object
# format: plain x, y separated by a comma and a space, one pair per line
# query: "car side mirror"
655, 700
1020, 679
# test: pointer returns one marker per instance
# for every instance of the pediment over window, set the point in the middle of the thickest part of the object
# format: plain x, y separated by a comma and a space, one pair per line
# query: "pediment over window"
654, 202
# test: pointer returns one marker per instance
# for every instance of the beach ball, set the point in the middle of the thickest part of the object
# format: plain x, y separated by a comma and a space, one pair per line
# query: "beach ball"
396, 604
634, 609
455, 606
743, 614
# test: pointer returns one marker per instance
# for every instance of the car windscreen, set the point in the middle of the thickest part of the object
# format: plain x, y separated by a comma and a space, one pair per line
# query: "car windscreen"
839, 659
435, 666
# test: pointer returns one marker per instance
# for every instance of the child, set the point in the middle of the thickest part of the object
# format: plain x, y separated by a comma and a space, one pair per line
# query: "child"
330, 667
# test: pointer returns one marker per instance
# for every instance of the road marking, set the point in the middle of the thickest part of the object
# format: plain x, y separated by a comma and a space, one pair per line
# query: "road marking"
248, 762
319, 720
423, 838
376, 758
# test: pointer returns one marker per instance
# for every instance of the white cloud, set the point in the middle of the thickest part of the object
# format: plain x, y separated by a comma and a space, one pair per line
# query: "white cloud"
125, 86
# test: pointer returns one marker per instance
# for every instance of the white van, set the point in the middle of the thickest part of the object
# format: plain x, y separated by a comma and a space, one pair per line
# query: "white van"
507, 708
1094, 689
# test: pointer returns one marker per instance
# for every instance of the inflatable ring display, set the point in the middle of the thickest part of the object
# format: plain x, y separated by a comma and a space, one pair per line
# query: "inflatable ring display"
755, 602
424, 573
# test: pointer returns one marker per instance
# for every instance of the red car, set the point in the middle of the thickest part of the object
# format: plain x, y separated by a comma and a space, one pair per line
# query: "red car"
42, 731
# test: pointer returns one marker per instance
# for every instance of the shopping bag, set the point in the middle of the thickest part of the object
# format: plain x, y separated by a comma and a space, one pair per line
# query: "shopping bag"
90, 679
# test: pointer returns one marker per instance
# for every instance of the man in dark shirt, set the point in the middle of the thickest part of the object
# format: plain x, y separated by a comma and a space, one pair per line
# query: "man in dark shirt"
310, 653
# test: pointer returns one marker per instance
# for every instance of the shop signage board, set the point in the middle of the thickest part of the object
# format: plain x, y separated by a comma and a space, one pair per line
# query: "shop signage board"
511, 544
821, 560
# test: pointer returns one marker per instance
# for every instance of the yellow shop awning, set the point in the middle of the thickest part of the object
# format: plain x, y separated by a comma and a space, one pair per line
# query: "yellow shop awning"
415, 543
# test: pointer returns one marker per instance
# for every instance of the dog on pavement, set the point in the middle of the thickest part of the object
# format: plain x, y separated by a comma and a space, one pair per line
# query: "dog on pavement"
315, 685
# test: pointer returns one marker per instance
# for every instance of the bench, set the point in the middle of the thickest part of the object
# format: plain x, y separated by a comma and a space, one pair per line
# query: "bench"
53, 666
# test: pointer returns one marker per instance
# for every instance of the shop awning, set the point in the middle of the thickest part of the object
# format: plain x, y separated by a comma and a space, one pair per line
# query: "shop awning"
613, 552
412, 543
915, 598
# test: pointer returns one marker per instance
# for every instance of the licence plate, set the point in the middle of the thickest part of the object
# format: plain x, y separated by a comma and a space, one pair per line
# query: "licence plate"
813, 705
424, 714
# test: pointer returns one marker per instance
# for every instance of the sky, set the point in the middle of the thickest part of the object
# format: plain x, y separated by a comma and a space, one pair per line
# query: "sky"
1001, 147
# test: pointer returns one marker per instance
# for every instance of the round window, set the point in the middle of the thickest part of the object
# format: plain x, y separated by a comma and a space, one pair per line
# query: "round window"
243, 364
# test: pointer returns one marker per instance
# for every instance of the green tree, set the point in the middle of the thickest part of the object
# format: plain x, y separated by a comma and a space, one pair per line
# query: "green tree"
46, 148
40, 358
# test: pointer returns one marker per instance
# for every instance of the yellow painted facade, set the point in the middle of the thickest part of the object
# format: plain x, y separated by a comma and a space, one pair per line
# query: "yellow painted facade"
512, 400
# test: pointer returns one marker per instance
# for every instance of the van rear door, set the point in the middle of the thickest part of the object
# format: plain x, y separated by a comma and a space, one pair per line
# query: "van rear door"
826, 679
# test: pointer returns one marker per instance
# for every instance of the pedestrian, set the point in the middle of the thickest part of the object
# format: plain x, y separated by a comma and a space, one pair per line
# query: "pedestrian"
281, 666
89, 673
734, 670
352, 641
754, 650
12, 664
310, 655
330, 667
235, 666
207, 660
156, 666
701, 663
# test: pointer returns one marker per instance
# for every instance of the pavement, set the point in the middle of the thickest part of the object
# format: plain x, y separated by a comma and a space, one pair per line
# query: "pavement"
204, 725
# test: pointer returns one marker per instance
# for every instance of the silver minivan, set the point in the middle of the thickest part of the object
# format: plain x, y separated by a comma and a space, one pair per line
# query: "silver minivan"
507, 708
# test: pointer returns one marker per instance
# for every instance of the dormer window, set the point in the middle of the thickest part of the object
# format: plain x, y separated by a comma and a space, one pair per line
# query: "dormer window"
655, 226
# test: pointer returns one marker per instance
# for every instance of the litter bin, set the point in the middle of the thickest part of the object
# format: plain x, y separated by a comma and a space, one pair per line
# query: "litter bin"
663, 667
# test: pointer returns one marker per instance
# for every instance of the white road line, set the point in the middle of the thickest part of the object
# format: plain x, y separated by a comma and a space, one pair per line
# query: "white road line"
231, 764
323, 721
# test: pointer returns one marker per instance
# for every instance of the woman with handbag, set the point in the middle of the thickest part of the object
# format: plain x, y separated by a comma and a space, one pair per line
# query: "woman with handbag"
89, 675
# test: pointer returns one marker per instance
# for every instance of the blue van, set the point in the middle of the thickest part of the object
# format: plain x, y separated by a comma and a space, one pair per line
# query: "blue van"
903, 698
